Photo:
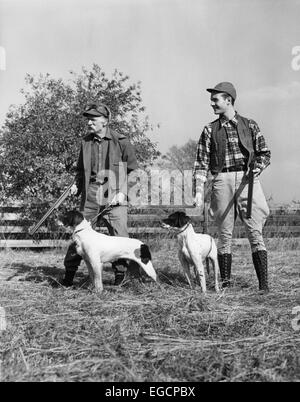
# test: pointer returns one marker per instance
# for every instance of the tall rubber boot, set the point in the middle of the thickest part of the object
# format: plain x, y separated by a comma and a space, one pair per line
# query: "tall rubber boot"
225, 269
260, 262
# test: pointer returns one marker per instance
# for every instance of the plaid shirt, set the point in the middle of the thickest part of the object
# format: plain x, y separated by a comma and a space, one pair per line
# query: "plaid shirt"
234, 155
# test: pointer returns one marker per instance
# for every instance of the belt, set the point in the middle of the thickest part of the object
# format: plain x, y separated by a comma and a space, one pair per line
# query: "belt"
96, 180
234, 169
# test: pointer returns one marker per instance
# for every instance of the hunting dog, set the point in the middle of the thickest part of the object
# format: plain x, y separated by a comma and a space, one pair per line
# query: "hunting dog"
96, 248
193, 248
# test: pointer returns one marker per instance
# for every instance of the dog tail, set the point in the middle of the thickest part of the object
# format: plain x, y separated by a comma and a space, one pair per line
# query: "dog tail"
146, 261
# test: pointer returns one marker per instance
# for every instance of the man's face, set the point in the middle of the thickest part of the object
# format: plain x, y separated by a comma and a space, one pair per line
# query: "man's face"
219, 104
96, 125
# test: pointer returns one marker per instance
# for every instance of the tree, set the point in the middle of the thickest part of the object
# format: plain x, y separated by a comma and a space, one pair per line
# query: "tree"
181, 158
41, 137
176, 166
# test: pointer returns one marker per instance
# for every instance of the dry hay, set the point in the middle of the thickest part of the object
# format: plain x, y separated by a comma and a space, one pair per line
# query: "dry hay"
142, 332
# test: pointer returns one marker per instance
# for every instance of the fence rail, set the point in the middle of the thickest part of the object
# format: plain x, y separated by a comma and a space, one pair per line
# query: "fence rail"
142, 222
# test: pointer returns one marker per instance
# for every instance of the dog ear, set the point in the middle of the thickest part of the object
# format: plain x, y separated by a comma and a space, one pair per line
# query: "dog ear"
172, 219
77, 218
175, 219
66, 219
73, 218
183, 219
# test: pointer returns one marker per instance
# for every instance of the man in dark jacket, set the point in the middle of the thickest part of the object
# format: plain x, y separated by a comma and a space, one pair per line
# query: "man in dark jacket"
105, 162
226, 148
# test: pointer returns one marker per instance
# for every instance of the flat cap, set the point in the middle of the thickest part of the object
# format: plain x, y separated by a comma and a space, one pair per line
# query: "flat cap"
97, 110
225, 87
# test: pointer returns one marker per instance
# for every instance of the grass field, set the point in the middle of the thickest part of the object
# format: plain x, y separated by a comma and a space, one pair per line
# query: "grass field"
142, 332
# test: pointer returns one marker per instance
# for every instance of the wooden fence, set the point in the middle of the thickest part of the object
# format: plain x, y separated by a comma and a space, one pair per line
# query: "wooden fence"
142, 222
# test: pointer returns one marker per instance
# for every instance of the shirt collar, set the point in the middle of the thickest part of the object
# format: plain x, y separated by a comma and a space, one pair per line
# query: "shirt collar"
233, 121
97, 139
107, 136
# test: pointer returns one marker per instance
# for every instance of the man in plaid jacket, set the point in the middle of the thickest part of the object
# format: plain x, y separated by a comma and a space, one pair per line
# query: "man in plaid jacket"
226, 148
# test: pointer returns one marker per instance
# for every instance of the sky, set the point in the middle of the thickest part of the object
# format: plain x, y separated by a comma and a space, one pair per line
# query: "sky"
176, 49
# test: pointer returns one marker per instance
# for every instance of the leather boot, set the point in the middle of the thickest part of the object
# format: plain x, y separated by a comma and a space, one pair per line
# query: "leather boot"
119, 267
260, 261
225, 269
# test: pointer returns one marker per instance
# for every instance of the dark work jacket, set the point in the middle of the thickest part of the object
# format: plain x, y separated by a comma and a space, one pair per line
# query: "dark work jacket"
119, 161
218, 143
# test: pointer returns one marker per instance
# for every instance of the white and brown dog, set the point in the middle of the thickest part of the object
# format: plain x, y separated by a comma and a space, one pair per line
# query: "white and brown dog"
96, 248
193, 248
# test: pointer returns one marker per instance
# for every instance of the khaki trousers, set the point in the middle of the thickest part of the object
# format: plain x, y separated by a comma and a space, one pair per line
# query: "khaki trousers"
229, 199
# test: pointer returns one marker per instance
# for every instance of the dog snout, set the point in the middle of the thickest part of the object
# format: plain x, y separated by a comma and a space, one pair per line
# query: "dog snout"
164, 224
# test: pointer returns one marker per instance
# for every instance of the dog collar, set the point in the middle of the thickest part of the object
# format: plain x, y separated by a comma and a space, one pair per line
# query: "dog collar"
79, 230
85, 225
182, 230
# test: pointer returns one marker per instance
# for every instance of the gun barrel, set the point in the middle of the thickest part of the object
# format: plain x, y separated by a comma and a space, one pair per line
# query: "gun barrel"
250, 192
50, 210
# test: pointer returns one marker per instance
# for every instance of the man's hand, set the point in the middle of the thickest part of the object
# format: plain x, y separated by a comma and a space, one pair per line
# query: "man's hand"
118, 198
256, 171
73, 189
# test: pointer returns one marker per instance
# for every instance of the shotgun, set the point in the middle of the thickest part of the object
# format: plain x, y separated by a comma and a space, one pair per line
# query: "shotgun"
250, 189
54, 206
